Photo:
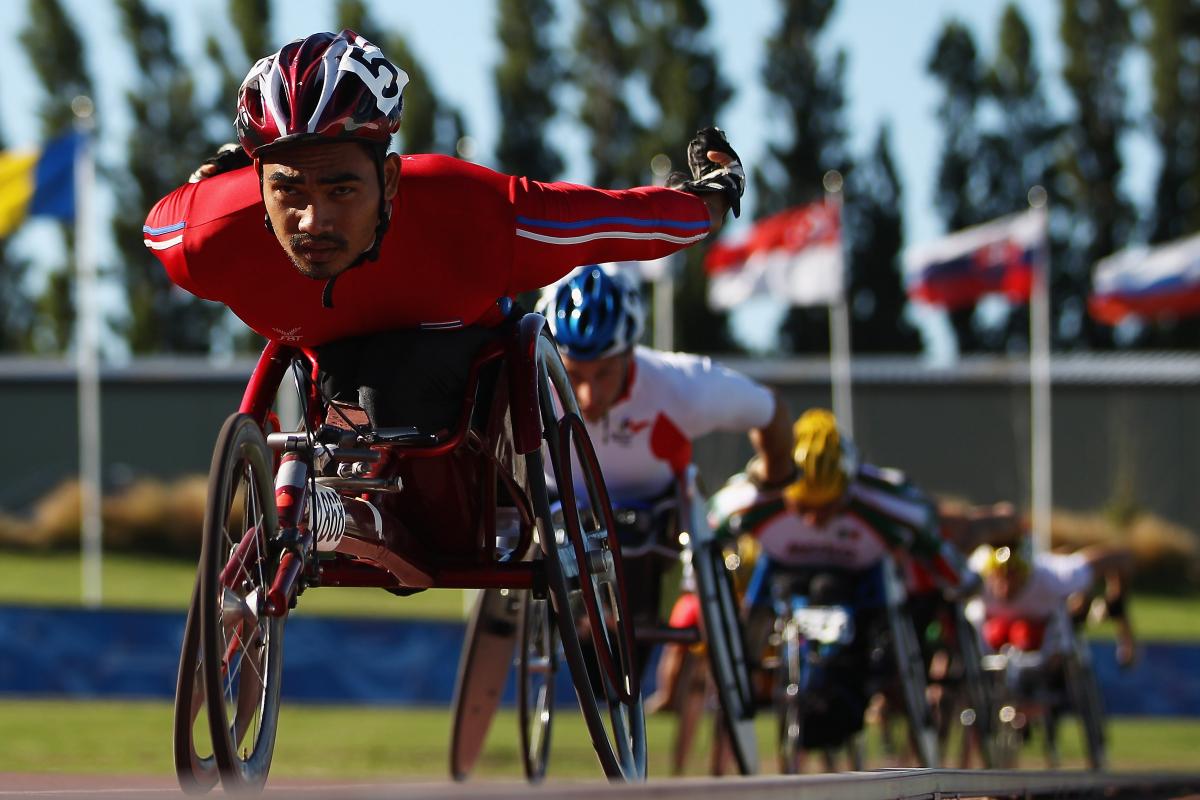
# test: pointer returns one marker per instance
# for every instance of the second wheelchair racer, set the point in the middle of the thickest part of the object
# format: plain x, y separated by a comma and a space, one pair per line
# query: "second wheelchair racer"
643, 409
838, 519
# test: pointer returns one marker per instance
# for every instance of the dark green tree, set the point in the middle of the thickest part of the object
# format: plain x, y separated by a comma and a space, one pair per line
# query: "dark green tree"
527, 79
960, 193
233, 56
429, 126
679, 65
58, 55
1096, 36
604, 58
806, 95
874, 227
1018, 151
1172, 44
167, 141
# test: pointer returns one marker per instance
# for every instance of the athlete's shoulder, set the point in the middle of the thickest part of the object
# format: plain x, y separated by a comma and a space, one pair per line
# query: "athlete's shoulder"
677, 366
212, 199
885, 479
887, 494
738, 496
431, 168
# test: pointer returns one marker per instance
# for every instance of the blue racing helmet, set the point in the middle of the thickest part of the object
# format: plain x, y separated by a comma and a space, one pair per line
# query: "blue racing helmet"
595, 312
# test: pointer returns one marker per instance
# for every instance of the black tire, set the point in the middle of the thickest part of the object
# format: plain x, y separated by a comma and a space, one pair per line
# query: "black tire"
1087, 703
726, 652
489, 648
493, 631
585, 579
195, 765
976, 688
789, 702
242, 676
537, 668
910, 676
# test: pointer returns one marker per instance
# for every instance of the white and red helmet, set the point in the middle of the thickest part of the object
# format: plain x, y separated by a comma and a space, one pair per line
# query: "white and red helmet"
325, 86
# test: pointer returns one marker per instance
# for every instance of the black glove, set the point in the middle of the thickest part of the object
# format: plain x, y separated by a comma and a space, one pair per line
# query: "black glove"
708, 176
227, 158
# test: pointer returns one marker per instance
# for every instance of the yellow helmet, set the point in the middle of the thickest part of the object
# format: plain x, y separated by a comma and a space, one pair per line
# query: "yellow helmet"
1009, 561
823, 459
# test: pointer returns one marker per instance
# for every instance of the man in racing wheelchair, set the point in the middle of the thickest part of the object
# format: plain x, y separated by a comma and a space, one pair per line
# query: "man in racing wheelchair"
828, 543
1030, 612
643, 410
425, 252
411, 309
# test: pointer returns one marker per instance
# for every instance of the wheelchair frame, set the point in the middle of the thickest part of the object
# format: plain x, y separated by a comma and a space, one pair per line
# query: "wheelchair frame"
254, 566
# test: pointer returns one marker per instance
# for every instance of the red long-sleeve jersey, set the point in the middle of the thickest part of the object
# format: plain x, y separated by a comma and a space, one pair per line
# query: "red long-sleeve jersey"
461, 237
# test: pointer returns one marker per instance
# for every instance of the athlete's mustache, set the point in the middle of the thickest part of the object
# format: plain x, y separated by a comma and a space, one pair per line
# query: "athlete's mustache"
304, 240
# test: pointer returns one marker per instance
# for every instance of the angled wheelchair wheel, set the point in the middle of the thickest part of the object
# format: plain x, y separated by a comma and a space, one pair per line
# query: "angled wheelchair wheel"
586, 579
910, 672
483, 668
726, 652
789, 703
979, 713
537, 667
241, 643
1087, 703
195, 766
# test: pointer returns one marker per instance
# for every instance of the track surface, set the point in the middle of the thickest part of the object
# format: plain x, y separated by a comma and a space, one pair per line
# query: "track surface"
897, 783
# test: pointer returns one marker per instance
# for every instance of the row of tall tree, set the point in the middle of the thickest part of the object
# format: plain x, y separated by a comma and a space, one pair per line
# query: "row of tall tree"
1000, 136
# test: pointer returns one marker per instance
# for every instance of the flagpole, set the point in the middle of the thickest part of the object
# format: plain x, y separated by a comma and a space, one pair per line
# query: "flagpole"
839, 321
1041, 421
663, 288
87, 334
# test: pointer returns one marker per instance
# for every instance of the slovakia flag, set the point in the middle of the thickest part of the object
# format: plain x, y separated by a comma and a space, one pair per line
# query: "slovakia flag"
795, 255
1163, 281
998, 257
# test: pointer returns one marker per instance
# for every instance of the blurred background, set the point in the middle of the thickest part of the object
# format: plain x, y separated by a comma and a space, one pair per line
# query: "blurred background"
938, 116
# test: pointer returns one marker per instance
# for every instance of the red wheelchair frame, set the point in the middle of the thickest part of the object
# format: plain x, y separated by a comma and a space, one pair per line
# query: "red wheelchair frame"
405, 511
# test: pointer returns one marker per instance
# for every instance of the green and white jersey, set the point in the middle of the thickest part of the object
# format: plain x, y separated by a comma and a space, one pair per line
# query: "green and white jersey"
881, 511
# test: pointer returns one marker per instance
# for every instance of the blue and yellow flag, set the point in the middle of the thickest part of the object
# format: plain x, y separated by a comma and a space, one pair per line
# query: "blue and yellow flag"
38, 182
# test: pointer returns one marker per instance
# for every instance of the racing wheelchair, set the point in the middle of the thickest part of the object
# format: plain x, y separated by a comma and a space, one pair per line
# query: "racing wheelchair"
505, 623
338, 502
837, 638
1043, 687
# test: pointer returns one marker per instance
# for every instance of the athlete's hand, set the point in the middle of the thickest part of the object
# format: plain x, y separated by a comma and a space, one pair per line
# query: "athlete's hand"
716, 175
228, 157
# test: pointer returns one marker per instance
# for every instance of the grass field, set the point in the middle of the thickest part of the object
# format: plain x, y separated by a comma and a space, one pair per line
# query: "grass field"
134, 582
79, 737
54, 579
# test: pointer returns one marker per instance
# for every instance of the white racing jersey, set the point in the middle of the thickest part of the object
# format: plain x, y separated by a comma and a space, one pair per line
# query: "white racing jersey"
1053, 578
670, 399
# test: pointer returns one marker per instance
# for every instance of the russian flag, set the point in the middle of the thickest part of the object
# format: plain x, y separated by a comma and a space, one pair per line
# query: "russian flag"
38, 182
1162, 281
795, 255
998, 257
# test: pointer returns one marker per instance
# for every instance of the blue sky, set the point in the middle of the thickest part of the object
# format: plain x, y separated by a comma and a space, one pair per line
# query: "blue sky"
887, 44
